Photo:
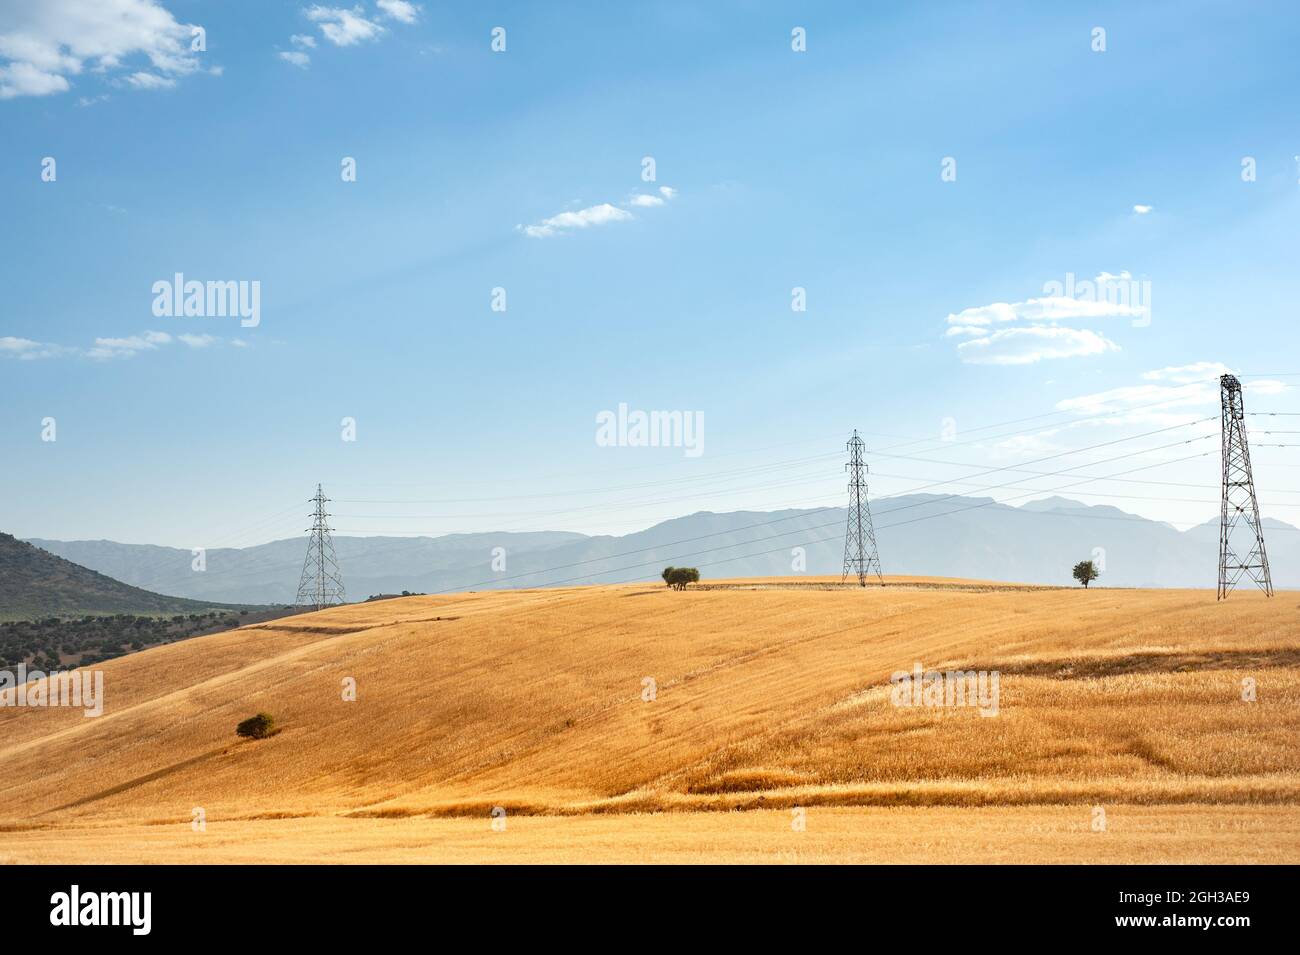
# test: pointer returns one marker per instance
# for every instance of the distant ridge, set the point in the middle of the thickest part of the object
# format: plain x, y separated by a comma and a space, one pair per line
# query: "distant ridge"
918, 534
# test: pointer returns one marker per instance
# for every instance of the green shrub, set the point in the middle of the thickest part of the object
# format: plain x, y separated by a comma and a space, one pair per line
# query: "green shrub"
257, 727
678, 577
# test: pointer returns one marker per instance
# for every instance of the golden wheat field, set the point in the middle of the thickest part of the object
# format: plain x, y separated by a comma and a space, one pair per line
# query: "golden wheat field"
747, 721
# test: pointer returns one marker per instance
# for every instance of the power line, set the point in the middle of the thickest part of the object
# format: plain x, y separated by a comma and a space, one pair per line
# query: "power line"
1127, 455
1052, 456
608, 557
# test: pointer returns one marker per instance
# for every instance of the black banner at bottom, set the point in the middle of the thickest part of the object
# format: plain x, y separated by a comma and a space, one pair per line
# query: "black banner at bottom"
212, 904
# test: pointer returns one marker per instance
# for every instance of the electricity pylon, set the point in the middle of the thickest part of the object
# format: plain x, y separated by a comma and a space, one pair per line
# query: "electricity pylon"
321, 584
860, 555
1239, 504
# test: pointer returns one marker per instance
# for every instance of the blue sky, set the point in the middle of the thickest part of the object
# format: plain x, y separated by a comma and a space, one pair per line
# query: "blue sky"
818, 169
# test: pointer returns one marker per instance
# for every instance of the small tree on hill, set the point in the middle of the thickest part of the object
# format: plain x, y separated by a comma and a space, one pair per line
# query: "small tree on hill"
678, 577
1085, 572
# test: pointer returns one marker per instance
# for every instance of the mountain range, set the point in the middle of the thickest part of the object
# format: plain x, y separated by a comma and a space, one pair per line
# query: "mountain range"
936, 535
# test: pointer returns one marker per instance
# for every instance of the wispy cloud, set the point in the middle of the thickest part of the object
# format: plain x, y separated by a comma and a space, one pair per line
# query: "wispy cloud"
582, 219
197, 341
1052, 309
1029, 344
296, 57
602, 214
149, 81
128, 347
1165, 390
1142, 210
108, 348
25, 349
1201, 371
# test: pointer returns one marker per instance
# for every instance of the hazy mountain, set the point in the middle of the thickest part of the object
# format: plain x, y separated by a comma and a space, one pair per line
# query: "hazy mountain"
35, 584
917, 534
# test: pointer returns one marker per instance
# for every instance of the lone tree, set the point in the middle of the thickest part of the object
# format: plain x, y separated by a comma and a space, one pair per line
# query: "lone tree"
257, 727
678, 577
1085, 572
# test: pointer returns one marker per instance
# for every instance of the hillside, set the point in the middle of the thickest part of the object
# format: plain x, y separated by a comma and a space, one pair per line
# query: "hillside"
766, 698
35, 584
940, 535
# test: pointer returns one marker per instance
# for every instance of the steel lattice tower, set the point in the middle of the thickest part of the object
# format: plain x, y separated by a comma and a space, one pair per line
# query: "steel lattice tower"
1239, 504
321, 584
860, 555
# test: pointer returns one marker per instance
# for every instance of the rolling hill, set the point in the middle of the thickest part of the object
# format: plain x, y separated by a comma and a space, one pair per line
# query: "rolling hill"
35, 584
628, 722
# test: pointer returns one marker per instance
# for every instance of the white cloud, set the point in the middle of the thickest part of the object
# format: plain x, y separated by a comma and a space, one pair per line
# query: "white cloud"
149, 81
1166, 390
197, 341
43, 44
582, 219
1024, 345
344, 27
1151, 397
1052, 308
109, 348
128, 347
1142, 210
10, 344
25, 349
595, 215
303, 40
1186, 374
297, 58
1017, 333
399, 10
649, 199
1266, 386
24, 79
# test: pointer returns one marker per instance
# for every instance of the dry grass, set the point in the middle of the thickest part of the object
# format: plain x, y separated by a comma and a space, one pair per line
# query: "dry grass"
768, 698
1032, 834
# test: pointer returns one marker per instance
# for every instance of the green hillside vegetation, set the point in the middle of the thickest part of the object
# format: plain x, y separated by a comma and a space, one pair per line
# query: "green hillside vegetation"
54, 613
34, 584
59, 643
